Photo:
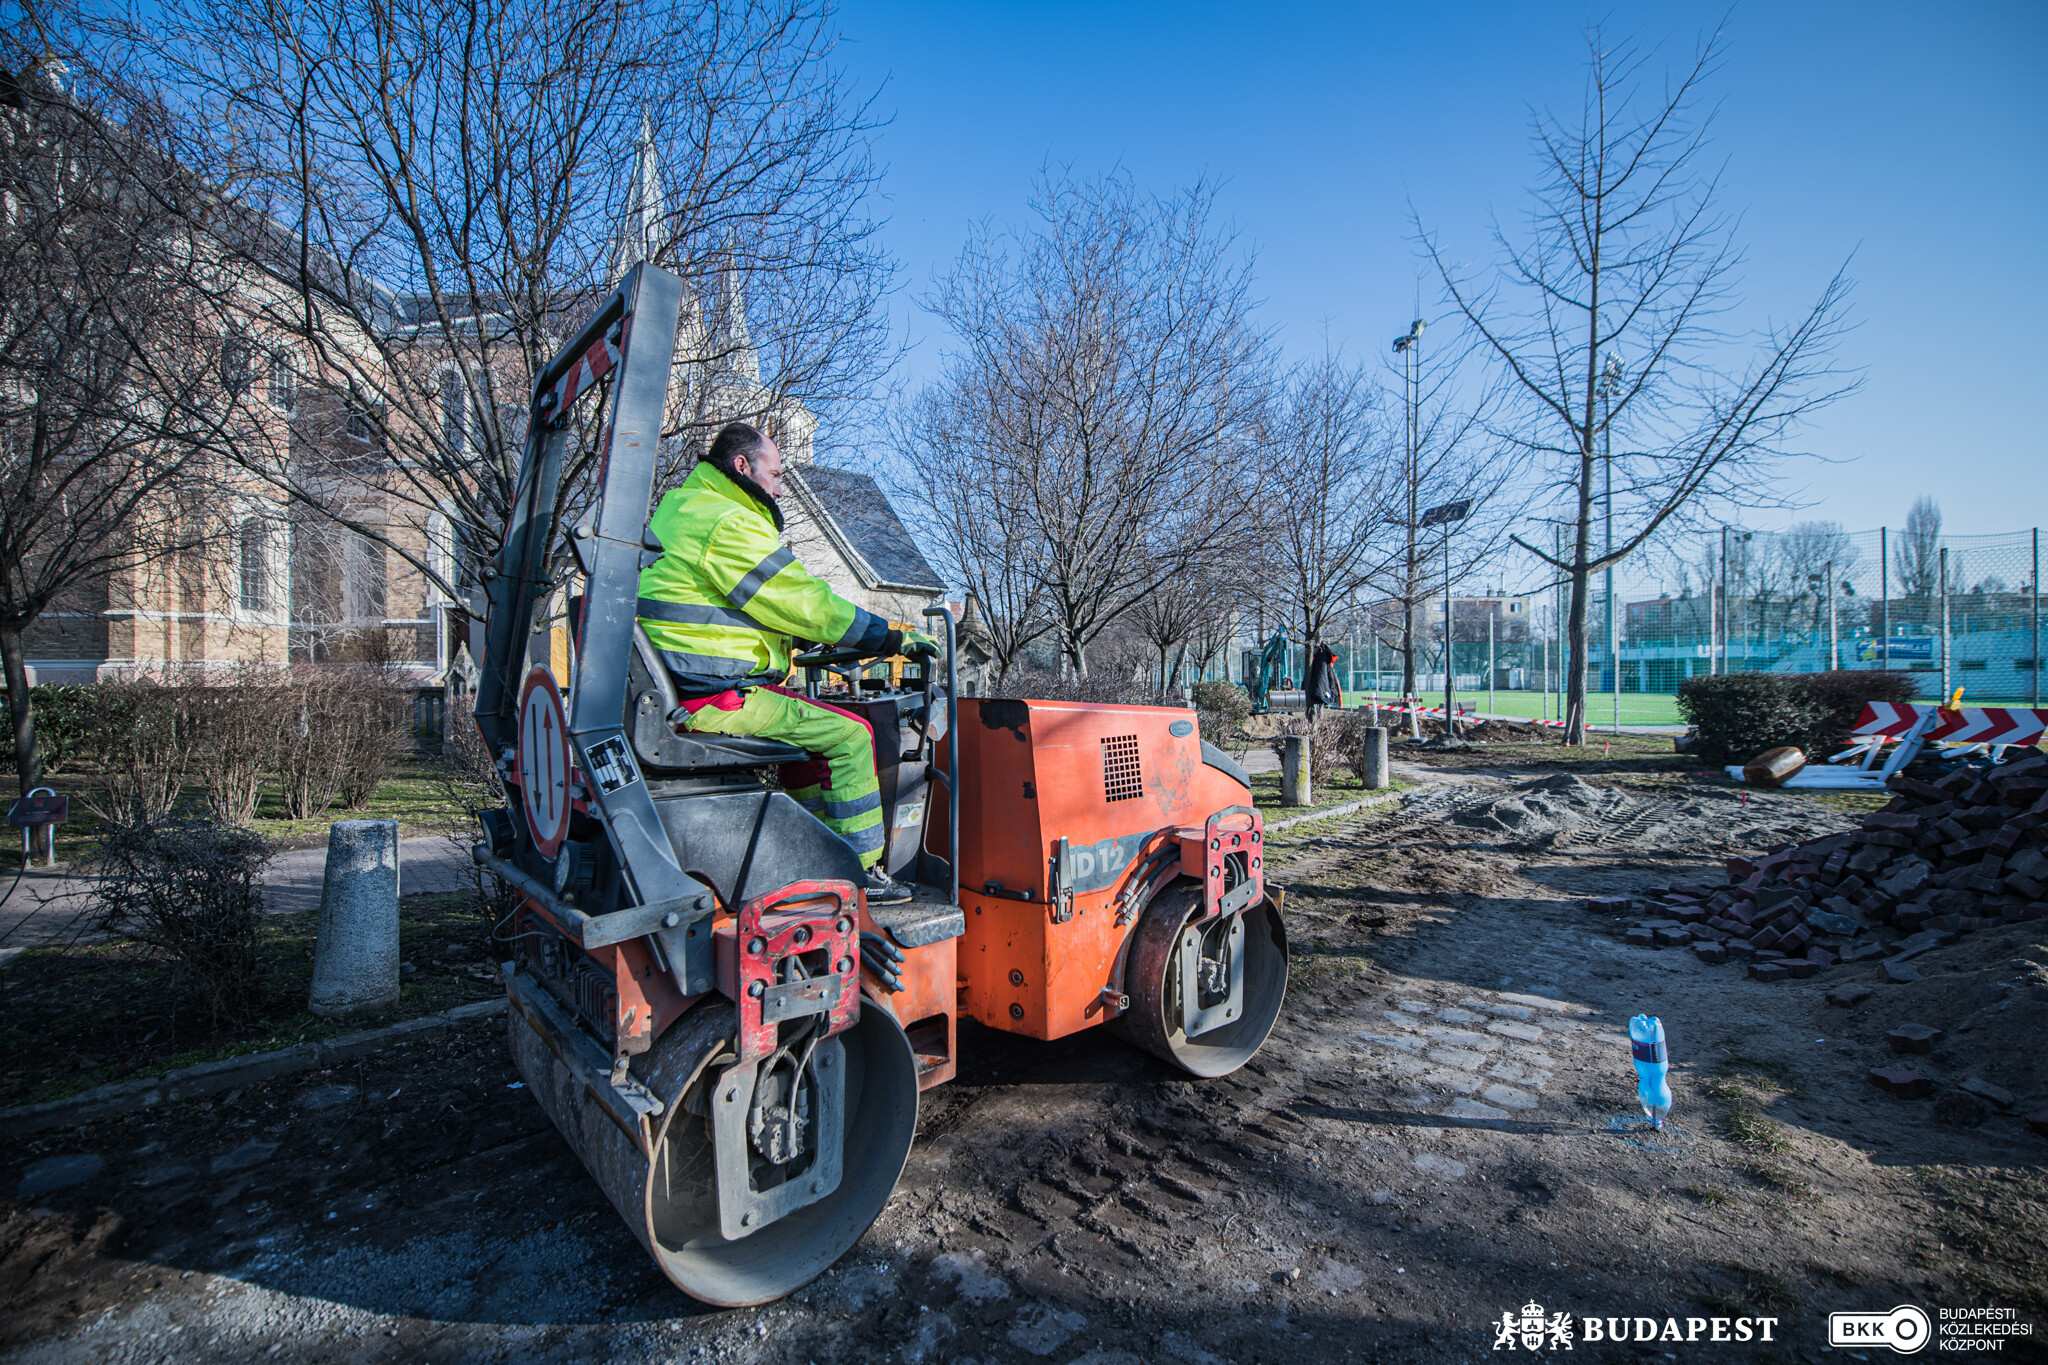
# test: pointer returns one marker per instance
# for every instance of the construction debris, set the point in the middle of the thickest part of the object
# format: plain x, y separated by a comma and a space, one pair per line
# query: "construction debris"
1942, 859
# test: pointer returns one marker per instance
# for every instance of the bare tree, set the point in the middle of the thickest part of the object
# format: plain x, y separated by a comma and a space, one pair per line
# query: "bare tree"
1917, 561
971, 517
431, 193
1626, 271
1333, 473
1110, 380
110, 394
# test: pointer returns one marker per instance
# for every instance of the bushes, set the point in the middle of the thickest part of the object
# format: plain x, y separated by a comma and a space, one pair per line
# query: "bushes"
1738, 715
189, 889
61, 712
326, 735
1221, 709
1838, 700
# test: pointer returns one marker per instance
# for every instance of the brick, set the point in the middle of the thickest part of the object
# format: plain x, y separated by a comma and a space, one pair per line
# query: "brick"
1907, 1085
1674, 938
1738, 868
1768, 971
1798, 968
1847, 997
1608, 905
1883, 838
1913, 786
1777, 898
1796, 938
1863, 952
1740, 948
1765, 938
1870, 859
1900, 973
1914, 1039
1820, 956
1713, 954
1985, 1090
1641, 938
1905, 824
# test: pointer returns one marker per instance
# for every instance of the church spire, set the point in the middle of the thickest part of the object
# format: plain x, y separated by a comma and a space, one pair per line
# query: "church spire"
643, 227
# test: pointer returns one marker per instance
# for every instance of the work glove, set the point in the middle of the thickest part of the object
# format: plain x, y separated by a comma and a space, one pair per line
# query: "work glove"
911, 644
884, 959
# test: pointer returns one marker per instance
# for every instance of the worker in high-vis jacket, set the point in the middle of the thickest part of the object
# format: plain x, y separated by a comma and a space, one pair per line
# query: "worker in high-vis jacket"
724, 604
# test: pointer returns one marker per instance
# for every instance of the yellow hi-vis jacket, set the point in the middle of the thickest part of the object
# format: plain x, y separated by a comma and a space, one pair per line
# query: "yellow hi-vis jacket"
725, 598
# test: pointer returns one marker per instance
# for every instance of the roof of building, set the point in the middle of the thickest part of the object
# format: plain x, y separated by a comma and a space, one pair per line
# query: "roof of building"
860, 511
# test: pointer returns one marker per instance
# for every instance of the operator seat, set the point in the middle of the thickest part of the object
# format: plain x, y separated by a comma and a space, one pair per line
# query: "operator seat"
651, 699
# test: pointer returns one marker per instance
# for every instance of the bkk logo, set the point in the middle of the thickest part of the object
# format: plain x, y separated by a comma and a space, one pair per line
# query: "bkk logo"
1533, 1331
1905, 1329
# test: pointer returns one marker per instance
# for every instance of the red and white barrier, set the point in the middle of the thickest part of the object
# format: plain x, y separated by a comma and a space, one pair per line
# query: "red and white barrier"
1960, 725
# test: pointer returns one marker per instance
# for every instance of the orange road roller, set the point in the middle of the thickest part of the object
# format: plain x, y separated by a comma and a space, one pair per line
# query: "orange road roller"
701, 998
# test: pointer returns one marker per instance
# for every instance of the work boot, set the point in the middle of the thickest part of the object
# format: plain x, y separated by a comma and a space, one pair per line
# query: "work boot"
884, 889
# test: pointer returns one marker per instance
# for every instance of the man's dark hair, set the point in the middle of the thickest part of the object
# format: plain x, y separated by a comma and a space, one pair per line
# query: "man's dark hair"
734, 441
738, 441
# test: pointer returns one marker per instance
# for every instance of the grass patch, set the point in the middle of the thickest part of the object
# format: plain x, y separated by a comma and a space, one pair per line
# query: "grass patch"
73, 1018
415, 795
1710, 1194
1747, 1128
1993, 1225
1746, 1084
1782, 1182
1338, 792
1849, 803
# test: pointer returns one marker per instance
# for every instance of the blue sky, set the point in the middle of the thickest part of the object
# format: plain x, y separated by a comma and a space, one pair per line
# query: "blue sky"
1914, 137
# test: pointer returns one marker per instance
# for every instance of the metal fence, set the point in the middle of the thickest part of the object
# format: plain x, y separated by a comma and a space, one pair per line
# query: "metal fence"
1951, 611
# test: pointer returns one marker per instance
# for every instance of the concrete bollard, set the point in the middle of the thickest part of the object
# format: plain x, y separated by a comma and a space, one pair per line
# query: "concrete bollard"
355, 956
1376, 758
1294, 771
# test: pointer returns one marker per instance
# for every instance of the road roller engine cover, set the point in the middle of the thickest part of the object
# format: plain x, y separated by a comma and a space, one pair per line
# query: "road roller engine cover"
702, 1000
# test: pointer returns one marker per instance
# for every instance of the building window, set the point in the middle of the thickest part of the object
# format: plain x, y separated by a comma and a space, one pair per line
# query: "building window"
454, 406
363, 582
358, 425
237, 364
255, 565
284, 382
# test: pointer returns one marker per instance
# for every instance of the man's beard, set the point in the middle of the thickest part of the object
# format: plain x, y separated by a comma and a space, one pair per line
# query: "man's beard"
756, 492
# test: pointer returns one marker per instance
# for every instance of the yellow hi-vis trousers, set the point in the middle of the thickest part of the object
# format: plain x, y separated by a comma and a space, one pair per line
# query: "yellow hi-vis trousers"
839, 785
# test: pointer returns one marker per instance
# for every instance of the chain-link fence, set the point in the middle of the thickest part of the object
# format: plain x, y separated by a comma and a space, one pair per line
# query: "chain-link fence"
1951, 611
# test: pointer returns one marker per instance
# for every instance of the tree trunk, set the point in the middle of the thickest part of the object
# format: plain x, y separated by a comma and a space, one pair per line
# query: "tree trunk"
1575, 630
28, 764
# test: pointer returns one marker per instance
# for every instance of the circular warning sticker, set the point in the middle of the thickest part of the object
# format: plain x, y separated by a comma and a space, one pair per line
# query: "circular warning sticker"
541, 764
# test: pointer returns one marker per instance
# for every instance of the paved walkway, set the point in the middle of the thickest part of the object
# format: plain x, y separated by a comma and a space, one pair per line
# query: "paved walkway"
54, 906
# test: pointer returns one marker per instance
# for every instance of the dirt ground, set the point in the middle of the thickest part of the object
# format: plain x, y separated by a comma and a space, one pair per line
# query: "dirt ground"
1442, 1130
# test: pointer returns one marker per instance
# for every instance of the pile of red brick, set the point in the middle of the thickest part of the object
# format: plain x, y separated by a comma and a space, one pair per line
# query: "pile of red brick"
1945, 857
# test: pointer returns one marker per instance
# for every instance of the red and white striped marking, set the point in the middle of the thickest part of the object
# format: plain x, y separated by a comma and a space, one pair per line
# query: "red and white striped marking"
590, 367
1962, 725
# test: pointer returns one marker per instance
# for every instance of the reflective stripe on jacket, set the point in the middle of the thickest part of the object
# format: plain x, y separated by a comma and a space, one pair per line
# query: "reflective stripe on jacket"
726, 597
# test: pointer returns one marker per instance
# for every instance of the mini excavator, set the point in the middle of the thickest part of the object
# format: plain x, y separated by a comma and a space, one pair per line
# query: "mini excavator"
730, 1038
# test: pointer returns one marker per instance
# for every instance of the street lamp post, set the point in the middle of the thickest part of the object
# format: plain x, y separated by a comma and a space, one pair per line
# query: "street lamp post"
1409, 347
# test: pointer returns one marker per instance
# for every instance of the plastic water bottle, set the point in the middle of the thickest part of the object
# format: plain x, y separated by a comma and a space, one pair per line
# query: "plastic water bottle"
1653, 1085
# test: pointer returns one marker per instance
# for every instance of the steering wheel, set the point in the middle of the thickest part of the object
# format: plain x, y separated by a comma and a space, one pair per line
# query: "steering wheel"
828, 658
